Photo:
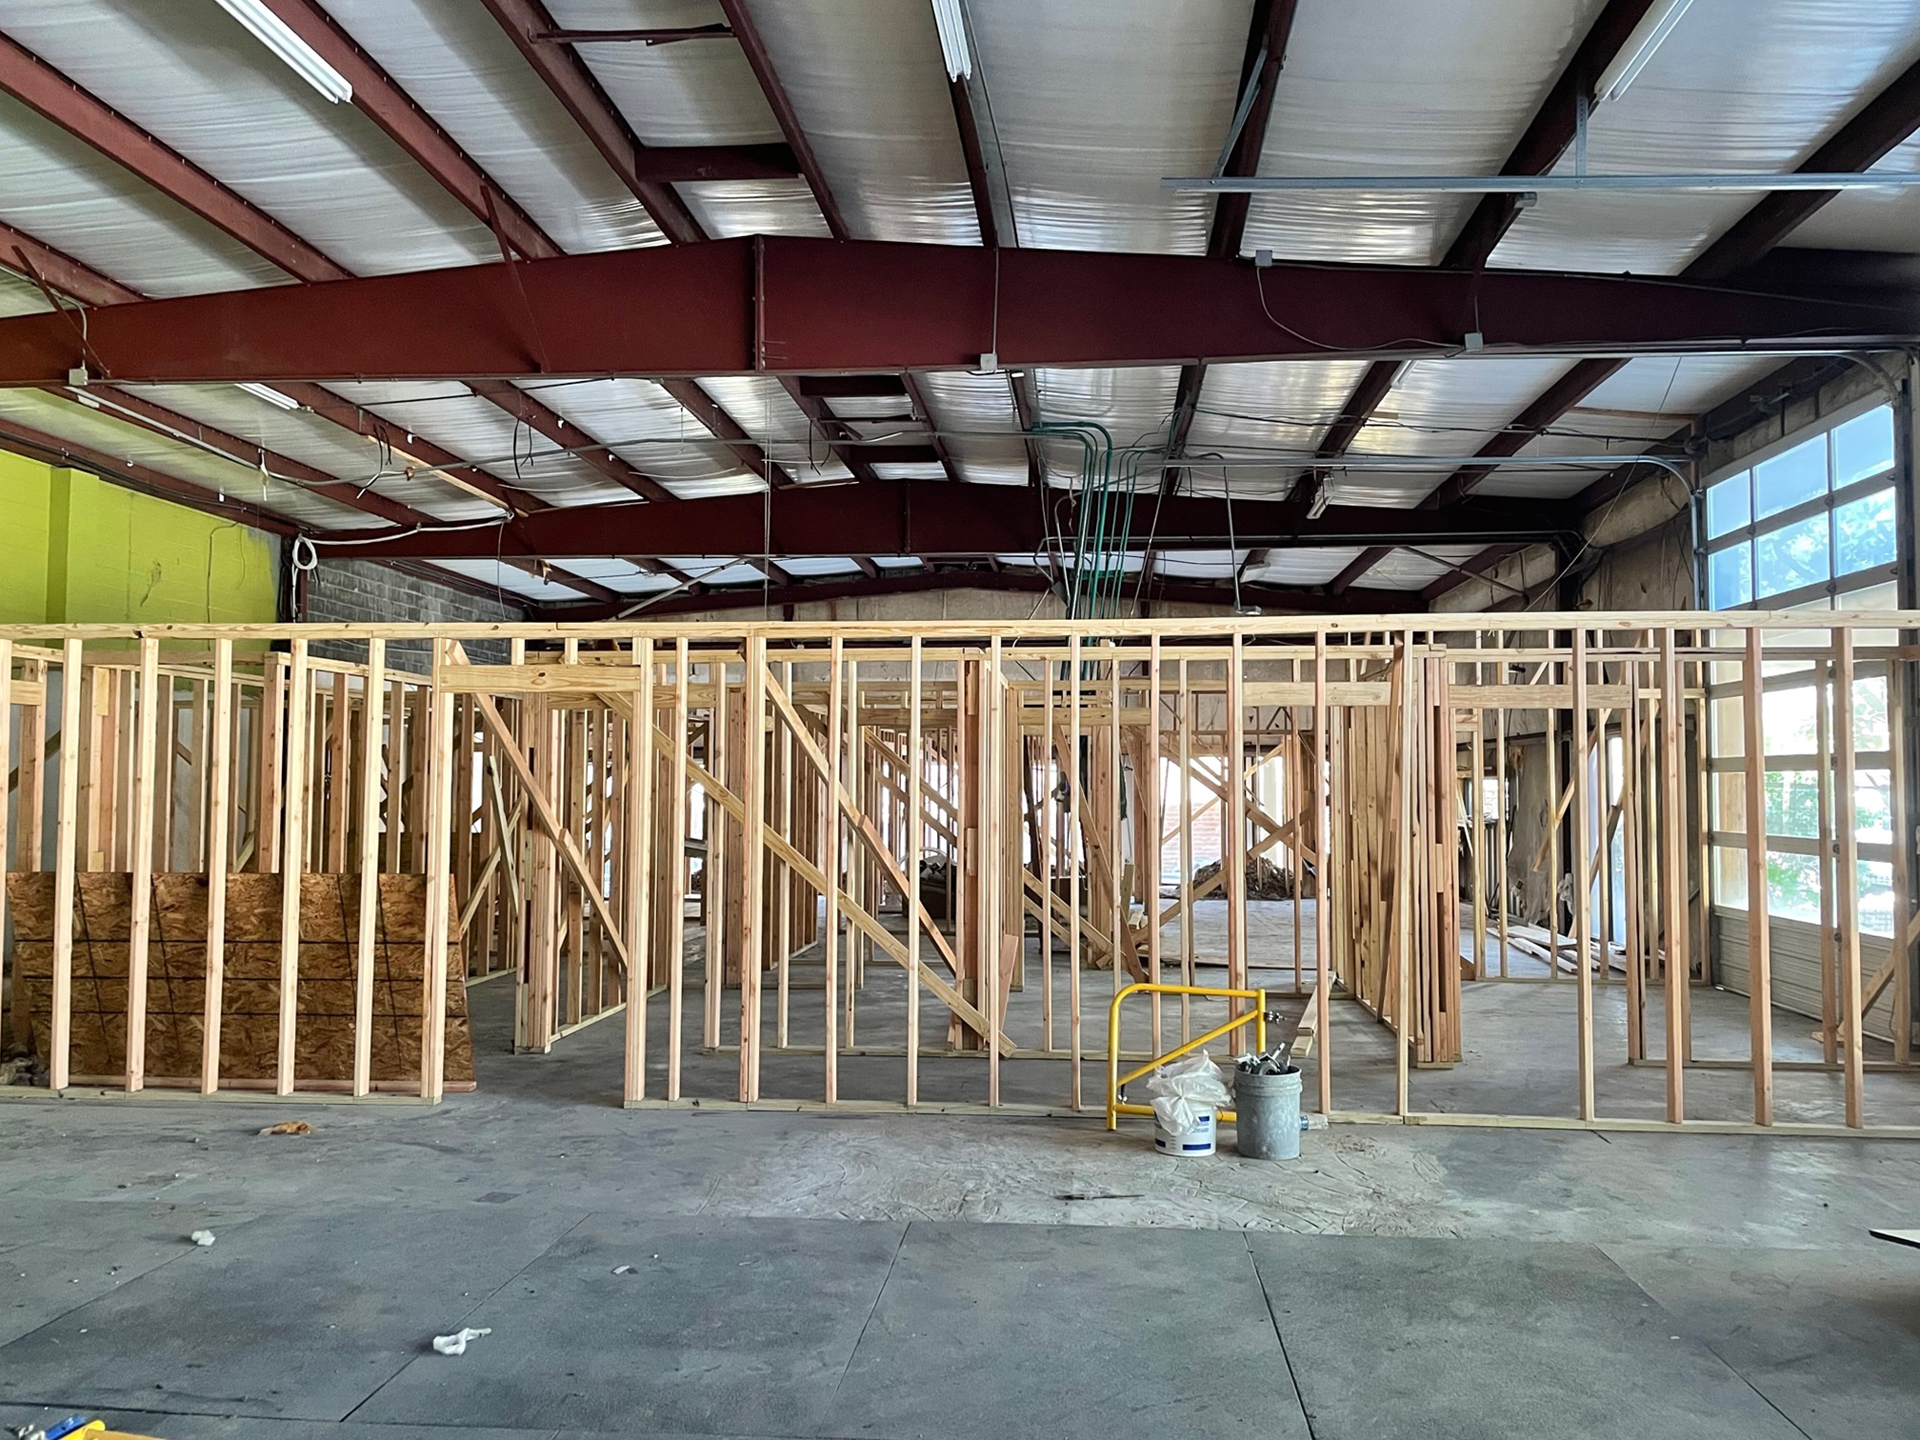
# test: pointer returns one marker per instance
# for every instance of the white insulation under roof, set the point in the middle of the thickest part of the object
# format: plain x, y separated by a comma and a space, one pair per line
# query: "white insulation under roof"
1404, 569
1099, 100
1869, 219
1646, 400
1447, 408
870, 88
976, 415
649, 429
454, 418
512, 582
461, 67
135, 449
325, 171
761, 406
1281, 408
1303, 567
1133, 407
1402, 87
66, 194
1737, 86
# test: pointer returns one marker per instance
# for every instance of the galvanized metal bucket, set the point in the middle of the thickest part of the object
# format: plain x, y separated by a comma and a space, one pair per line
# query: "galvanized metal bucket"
1267, 1115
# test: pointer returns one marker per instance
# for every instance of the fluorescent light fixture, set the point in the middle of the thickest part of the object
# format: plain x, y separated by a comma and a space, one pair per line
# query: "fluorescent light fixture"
1537, 184
270, 395
1632, 57
298, 56
951, 21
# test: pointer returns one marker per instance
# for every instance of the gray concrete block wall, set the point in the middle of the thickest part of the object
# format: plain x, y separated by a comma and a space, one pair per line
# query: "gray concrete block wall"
361, 591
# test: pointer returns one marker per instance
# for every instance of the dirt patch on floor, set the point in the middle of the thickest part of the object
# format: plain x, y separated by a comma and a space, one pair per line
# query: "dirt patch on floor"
1344, 1181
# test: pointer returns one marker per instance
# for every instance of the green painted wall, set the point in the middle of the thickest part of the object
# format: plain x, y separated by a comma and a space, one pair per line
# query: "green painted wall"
74, 548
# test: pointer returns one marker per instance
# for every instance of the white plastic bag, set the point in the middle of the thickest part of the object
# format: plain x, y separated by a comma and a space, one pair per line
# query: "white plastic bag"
456, 1343
1184, 1088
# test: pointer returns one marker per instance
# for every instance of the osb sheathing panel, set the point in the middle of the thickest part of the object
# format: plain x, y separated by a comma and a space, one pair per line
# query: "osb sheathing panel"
250, 997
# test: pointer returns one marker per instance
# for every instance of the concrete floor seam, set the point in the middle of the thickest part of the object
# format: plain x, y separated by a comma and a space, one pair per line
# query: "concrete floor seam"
1292, 1375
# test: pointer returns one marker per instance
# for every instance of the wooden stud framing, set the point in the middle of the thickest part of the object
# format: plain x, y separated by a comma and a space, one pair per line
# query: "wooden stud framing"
676, 894
219, 861
915, 834
639, 870
293, 854
372, 702
1583, 817
198, 747
1847, 880
140, 888
1759, 947
1673, 871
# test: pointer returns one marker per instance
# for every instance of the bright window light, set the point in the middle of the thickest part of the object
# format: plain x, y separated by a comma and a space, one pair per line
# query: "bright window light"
298, 56
271, 396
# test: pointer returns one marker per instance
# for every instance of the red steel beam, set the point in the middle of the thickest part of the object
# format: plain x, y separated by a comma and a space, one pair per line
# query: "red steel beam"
81, 282
1267, 37
1549, 133
78, 281
830, 428
1888, 119
134, 410
388, 105
815, 407
559, 575
1539, 149
378, 97
704, 408
986, 214
570, 437
73, 278
917, 394
29, 257
1276, 599
761, 63
644, 171
43, 88
1568, 391
574, 85
932, 517
791, 305
1266, 52
992, 203
52, 449
1468, 569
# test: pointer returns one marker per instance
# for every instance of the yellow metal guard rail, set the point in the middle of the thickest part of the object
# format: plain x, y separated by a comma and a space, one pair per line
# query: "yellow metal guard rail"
1116, 1107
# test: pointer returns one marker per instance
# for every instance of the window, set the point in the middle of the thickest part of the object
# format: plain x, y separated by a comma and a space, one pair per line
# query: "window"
1814, 521
1810, 526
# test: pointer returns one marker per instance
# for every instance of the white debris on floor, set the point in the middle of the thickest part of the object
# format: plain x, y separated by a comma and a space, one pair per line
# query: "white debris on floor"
456, 1343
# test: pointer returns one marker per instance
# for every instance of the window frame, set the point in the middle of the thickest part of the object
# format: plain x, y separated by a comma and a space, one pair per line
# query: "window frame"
1827, 502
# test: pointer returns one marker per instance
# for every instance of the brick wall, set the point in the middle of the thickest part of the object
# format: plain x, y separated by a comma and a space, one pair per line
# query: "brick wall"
359, 590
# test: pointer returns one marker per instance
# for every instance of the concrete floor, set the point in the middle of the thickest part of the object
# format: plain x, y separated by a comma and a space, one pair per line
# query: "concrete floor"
885, 1276
1519, 1039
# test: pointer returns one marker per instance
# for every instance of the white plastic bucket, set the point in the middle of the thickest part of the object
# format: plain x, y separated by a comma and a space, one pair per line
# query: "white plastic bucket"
1185, 1143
